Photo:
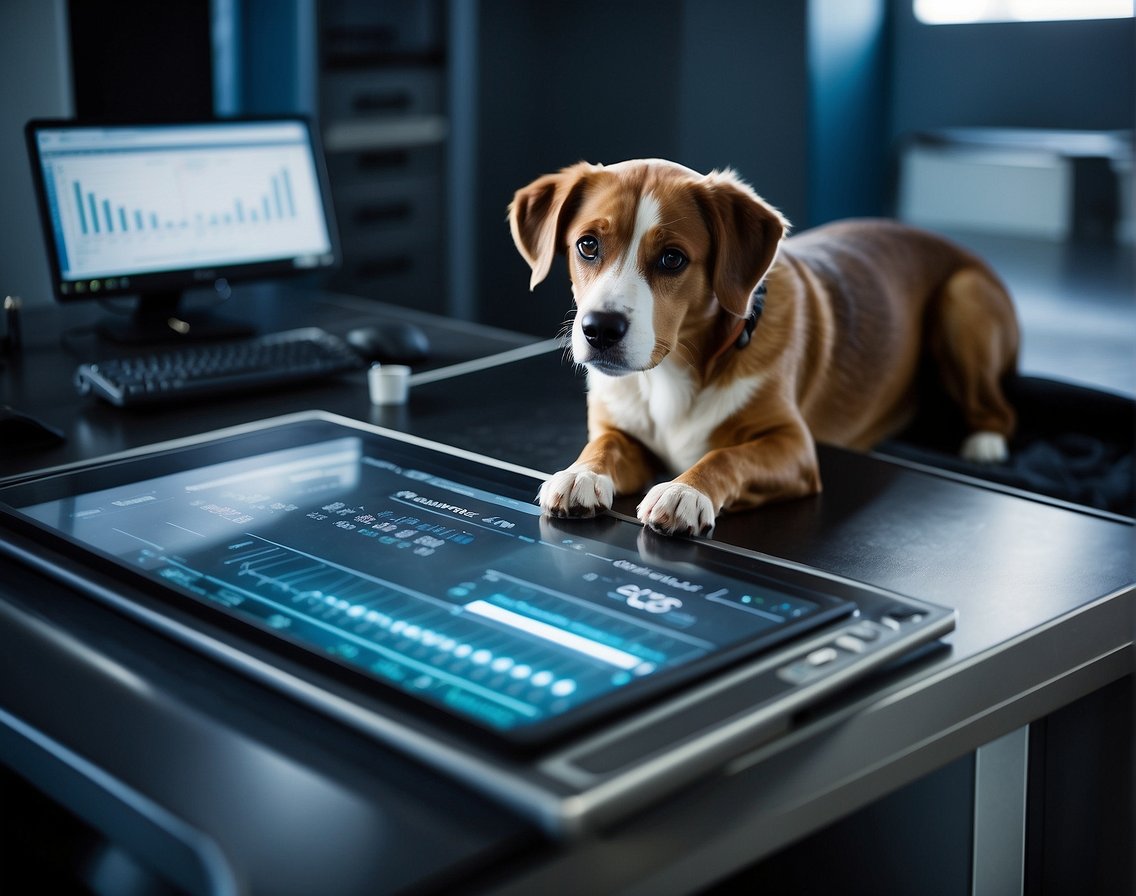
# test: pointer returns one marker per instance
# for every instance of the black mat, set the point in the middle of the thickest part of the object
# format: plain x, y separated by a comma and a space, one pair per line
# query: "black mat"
1073, 443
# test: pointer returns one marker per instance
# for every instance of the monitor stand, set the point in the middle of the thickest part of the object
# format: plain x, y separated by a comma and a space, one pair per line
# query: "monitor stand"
158, 318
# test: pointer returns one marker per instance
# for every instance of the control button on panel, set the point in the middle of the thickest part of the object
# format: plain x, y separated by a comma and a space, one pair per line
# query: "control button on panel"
822, 657
898, 614
896, 624
810, 666
797, 673
865, 631
851, 644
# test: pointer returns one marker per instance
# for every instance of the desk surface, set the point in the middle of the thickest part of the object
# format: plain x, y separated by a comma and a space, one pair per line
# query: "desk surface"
170, 752
57, 339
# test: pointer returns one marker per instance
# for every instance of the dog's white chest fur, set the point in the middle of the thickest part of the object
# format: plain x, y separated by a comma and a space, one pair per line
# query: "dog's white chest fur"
666, 410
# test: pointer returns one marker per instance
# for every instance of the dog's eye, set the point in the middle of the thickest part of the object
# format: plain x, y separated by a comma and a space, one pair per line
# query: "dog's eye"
672, 260
588, 247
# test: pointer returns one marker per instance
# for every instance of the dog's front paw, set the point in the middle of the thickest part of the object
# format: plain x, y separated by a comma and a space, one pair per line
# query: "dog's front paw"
576, 491
985, 448
673, 508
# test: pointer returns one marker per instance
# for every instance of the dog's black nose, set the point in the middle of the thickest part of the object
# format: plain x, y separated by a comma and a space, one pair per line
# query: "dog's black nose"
603, 329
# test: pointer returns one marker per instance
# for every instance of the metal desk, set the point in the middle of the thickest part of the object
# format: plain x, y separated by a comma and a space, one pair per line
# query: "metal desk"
220, 786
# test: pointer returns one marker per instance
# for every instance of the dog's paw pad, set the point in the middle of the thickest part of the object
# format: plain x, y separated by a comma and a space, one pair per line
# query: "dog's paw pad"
985, 448
673, 508
576, 492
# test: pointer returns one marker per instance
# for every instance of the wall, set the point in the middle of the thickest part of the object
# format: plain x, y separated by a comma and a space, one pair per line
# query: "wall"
708, 84
274, 55
38, 39
849, 92
745, 96
553, 89
148, 60
1035, 74
33, 45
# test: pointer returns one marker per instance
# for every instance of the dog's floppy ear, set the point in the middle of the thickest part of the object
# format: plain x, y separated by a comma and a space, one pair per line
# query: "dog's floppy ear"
539, 214
747, 232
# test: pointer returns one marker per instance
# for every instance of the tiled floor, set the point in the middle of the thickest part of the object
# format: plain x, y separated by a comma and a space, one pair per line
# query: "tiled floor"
1076, 305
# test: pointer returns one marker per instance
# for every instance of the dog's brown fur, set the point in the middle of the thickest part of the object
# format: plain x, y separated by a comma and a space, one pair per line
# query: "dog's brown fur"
850, 310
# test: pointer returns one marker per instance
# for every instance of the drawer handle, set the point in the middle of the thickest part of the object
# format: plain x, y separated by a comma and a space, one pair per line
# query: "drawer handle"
382, 213
390, 101
383, 267
379, 159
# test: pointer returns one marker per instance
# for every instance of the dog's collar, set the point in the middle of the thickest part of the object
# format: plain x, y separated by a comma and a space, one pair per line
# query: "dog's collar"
744, 328
757, 305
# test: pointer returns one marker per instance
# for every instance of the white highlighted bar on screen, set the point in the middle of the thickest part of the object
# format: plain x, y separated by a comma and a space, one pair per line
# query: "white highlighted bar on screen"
594, 649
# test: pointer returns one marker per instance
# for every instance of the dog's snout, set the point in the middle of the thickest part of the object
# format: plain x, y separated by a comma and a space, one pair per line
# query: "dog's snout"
603, 329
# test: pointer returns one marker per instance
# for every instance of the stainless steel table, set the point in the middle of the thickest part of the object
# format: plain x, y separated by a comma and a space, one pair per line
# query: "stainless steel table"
212, 783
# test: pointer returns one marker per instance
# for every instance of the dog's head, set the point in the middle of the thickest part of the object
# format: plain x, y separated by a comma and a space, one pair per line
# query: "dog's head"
656, 252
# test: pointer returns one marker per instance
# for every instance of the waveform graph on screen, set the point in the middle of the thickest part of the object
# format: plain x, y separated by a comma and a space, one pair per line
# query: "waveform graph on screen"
499, 647
340, 597
142, 211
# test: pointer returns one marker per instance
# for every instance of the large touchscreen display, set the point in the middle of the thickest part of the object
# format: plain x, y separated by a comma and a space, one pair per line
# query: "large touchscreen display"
434, 582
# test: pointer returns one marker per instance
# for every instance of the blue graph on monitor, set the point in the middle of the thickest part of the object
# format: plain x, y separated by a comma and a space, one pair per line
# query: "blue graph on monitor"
106, 215
181, 202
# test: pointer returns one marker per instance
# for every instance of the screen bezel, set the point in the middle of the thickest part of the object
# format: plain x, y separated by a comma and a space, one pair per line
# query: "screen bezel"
837, 600
176, 281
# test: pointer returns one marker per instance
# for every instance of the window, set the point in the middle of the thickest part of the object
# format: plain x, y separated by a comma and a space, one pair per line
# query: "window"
959, 12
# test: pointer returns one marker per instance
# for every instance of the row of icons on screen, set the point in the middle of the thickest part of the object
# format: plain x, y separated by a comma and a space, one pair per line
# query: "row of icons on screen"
85, 286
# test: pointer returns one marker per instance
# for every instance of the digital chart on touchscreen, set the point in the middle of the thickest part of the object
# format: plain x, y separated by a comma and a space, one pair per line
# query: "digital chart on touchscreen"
496, 647
461, 596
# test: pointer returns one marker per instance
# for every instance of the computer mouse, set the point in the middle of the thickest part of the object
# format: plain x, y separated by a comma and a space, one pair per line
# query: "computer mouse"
20, 433
394, 342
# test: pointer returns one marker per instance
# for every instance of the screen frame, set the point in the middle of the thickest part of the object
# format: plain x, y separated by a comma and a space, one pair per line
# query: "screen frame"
157, 286
98, 573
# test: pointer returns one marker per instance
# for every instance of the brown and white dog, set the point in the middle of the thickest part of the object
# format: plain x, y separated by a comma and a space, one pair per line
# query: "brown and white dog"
667, 269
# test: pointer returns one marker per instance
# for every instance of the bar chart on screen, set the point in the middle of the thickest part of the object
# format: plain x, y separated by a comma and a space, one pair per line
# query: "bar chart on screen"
139, 210
105, 215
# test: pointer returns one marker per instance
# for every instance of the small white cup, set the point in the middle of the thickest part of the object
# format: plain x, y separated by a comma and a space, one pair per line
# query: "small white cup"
388, 383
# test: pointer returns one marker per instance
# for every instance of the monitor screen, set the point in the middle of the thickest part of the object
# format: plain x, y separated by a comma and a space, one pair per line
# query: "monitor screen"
155, 209
412, 569
577, 670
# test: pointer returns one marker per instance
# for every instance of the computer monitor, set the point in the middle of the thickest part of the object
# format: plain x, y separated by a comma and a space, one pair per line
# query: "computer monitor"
155, 209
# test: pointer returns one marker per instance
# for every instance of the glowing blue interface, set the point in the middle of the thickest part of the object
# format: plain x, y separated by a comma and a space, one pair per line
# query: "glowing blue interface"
466, 598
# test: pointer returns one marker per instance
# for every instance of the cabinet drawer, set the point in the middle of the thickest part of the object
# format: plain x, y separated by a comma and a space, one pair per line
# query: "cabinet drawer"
380, 93
400, 273
365, 32
365, 166
410, 206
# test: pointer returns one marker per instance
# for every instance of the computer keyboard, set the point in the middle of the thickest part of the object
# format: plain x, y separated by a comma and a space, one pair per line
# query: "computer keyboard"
200, 371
